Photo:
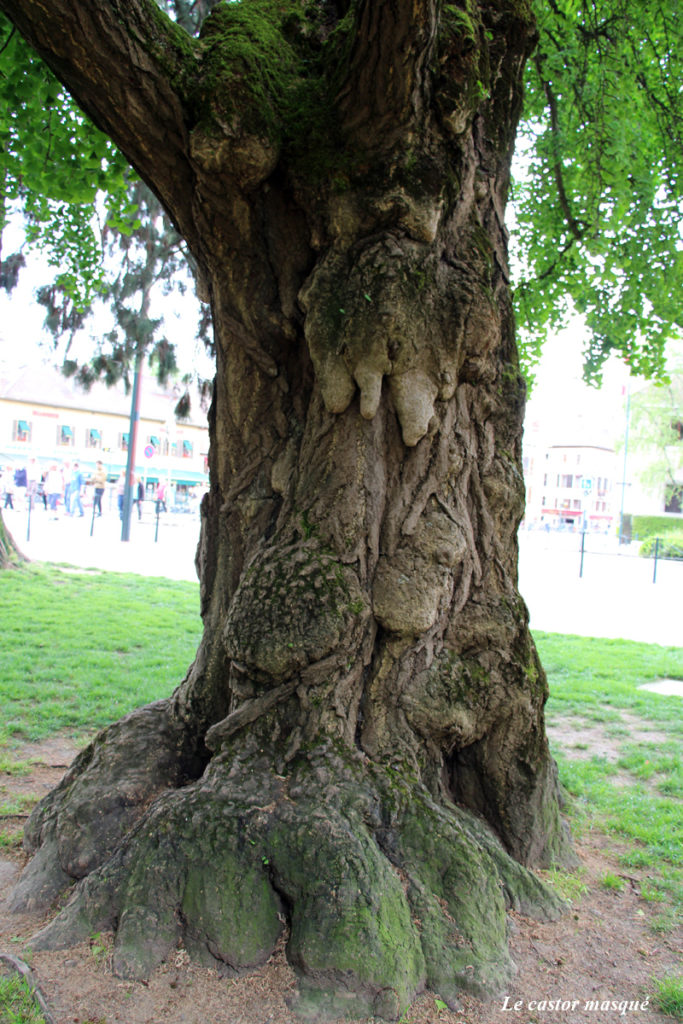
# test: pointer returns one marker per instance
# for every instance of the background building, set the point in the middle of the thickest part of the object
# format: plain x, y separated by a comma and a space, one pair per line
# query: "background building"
572, 482
46, 416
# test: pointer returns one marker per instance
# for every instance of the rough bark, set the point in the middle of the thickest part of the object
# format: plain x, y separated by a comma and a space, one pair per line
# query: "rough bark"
358, 752
10, 555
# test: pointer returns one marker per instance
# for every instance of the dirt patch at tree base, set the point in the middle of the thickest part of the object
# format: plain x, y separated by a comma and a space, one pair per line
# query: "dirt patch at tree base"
595, 964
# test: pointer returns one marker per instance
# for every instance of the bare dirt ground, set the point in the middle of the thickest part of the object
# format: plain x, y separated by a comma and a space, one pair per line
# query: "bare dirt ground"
587, 967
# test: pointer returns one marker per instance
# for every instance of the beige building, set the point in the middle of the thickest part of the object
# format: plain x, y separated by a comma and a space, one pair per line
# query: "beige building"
46, 416
570, 484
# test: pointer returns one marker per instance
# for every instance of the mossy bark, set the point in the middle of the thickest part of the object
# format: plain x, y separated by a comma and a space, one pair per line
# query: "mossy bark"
357, 755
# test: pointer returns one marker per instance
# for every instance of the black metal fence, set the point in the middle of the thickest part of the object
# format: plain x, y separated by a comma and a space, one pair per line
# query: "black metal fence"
655, 549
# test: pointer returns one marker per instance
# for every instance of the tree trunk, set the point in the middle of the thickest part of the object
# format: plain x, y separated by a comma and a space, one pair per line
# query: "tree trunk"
357, 754
10, 555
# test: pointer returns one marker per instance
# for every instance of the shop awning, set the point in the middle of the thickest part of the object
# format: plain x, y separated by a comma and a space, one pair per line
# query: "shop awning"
189, 478
155, 442
187, 447
67, 431
23, 426
95, 435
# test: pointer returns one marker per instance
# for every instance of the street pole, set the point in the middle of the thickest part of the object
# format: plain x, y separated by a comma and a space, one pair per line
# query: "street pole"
623, 473
132, 445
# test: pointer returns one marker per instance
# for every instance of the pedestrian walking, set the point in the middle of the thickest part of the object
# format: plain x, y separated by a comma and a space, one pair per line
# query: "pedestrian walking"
54, 488
120, 491
32, 479
99, 481
161, 497
75, 490
7, 487
66, 490
139, 497
20, 488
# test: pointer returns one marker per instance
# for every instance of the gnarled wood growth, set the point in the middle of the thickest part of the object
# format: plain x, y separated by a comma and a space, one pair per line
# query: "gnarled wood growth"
358, 751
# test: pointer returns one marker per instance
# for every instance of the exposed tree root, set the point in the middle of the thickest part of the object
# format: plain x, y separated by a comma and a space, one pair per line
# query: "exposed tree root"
381, 890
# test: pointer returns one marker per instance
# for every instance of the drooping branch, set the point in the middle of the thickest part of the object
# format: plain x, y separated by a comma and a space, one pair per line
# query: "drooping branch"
576, 228
124, 64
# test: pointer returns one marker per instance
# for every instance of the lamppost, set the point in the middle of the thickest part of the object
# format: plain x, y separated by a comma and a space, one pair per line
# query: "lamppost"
132, 446
623, 472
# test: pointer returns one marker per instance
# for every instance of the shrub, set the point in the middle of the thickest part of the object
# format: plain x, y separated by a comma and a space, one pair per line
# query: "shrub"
645, 527
670, 546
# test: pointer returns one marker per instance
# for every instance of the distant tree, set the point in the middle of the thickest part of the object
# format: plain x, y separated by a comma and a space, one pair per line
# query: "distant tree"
656, 432
358, 752
107, 236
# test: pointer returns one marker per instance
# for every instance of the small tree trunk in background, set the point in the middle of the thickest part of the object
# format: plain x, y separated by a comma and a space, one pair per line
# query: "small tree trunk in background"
10, 555
358, 753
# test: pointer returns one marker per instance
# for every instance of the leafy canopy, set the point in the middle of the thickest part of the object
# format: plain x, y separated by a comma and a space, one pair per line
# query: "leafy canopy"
598, 204
656, 431
101, 228
55, 165
597, 198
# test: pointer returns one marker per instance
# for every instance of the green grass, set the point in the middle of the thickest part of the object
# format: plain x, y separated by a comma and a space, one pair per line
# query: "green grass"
636, 793
79, 650
668, 996
596, 679
17, 1005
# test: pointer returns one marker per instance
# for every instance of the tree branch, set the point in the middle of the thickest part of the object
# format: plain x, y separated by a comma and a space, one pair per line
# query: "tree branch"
123, 62
574, 226
386, 74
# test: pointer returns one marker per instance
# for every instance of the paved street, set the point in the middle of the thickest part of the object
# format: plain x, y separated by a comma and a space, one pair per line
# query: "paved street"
615, 598
167, 552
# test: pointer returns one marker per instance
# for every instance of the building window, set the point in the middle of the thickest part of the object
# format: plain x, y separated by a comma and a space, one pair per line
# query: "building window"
187, 449
567, 480
576, 504
65, 436
93, 439
123, 442
21, 431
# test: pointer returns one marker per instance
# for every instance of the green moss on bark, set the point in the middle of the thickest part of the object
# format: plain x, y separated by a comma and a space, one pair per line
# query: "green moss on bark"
383, 890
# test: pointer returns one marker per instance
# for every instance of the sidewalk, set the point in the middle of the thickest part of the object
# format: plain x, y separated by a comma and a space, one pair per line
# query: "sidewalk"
615, 598
68, 540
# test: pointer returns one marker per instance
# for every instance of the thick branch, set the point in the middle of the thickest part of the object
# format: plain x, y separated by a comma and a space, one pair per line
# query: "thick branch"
386, 80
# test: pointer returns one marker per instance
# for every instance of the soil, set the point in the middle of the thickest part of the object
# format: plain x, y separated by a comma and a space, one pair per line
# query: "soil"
587, 967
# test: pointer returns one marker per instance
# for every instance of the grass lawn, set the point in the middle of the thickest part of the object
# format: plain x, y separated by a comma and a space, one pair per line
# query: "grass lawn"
78, 650
619, 754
